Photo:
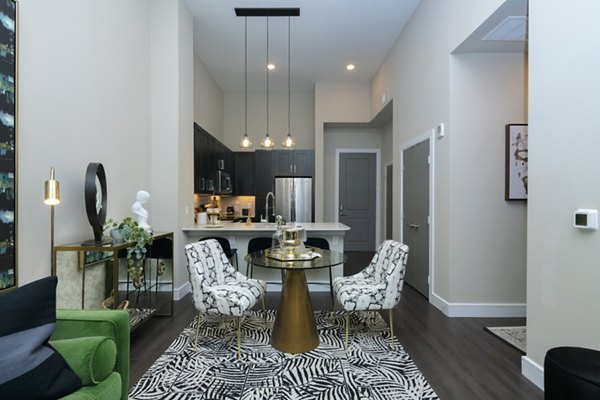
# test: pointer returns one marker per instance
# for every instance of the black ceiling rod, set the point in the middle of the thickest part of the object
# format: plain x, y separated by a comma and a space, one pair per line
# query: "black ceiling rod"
267, 12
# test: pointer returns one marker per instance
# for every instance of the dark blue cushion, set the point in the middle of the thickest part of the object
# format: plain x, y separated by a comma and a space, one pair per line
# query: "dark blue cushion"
29, 367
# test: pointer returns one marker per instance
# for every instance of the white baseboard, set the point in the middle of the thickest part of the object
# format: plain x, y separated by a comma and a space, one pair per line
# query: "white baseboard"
532, 371
478, 310
180, 292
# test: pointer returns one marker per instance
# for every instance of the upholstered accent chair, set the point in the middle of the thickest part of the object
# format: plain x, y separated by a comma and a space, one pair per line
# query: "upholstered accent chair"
217, 288
230, 252
377, 287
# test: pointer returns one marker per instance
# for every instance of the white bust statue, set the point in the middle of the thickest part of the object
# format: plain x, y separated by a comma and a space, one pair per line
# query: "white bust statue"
138, 210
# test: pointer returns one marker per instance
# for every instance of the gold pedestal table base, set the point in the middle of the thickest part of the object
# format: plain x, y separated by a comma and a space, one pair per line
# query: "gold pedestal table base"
295, 329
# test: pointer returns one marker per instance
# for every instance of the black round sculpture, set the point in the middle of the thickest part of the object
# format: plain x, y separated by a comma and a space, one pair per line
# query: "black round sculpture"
95, 198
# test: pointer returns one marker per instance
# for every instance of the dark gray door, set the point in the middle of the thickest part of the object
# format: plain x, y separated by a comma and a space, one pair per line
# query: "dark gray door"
389, 201
415, 225
357, 199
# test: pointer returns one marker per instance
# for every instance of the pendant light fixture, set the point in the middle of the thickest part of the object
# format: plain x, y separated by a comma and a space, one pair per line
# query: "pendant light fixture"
267, 143
245, 143
289, 142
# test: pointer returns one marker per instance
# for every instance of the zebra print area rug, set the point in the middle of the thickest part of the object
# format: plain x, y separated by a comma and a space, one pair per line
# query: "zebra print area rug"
369, 370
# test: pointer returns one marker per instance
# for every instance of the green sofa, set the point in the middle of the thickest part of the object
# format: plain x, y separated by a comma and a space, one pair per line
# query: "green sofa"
86, 339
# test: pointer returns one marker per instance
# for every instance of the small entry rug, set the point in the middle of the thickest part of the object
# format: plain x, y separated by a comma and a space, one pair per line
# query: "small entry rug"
369, 370
516, 336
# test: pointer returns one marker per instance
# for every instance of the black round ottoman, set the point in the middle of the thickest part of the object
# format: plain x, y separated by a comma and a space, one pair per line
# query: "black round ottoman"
572, 373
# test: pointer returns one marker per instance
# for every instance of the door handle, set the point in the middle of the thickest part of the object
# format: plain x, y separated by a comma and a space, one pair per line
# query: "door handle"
413, 226
342, 211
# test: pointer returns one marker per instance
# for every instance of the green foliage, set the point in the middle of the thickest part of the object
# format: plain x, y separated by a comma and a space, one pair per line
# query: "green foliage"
131, 232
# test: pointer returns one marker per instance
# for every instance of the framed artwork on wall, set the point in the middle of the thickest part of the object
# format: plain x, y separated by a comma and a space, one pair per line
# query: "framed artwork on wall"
8, 135
516, 185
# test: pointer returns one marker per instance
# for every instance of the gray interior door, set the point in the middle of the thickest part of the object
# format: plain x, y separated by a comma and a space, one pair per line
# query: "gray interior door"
389, 201
357, 197
415, 224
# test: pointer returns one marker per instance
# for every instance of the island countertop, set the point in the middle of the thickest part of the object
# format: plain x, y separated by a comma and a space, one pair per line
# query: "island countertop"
241, 228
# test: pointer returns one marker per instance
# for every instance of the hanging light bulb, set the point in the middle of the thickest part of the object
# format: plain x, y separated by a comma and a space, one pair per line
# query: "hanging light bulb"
289, 142
245, 143
267, 143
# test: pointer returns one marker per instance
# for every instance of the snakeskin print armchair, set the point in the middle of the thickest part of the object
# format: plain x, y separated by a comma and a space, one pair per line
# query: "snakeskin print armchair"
377, 287
217, 288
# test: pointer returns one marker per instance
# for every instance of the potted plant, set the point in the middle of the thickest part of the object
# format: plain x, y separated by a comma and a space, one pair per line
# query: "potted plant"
136, 255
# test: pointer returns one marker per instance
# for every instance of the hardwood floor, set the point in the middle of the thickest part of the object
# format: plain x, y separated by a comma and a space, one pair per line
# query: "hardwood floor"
459, 359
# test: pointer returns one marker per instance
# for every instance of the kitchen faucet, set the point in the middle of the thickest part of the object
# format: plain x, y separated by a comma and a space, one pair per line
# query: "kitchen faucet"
267, 206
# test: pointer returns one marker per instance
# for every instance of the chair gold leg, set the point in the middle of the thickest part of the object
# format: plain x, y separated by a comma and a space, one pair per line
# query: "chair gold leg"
347, 317
197, 331
264, 311
239, 334
391, 327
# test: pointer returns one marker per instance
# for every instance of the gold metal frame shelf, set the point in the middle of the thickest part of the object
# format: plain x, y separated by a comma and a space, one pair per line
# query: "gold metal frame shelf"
277, 253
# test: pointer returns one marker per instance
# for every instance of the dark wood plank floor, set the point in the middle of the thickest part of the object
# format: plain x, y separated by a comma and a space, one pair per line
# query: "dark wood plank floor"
459, 359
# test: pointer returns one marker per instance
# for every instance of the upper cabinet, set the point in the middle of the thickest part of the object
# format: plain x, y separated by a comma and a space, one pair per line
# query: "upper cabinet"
210, 156
294, 162
243, 173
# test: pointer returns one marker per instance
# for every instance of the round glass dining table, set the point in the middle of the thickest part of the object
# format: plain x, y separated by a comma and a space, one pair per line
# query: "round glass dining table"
295, 329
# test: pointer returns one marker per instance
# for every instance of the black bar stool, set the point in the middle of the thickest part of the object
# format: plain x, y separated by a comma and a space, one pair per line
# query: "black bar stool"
229, 252
257, 244
321, 243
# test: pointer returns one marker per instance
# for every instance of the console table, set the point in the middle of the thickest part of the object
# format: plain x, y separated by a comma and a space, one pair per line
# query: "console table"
153, 297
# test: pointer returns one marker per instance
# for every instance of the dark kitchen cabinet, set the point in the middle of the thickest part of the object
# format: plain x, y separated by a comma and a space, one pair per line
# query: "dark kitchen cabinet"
224, 158
243, 173
208, 152
294, 163
264, 178
201, 160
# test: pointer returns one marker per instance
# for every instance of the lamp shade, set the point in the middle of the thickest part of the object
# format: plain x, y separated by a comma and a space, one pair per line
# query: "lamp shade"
51, 190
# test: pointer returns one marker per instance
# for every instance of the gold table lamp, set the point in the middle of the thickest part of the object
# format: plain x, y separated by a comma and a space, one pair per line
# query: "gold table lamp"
52, 198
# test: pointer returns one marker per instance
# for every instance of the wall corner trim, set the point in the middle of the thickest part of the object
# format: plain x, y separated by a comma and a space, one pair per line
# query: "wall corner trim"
180, 292
532, 371
478, 310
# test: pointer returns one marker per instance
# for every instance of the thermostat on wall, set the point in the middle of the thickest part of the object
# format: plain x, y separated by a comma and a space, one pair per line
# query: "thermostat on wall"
586, 219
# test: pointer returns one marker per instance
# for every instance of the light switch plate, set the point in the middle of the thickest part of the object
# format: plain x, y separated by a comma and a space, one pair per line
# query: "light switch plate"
440, 130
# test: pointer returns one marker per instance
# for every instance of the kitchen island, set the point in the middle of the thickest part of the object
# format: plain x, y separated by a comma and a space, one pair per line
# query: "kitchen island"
239, 234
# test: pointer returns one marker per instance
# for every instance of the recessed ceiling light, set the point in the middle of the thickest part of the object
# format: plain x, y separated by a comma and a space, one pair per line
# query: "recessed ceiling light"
350, 67
271, 66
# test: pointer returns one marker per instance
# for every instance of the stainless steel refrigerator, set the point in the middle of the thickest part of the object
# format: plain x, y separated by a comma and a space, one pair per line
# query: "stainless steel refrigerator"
293, 199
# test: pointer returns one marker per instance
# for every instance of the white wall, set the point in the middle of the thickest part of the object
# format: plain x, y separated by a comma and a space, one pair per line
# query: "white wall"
335, 102
416, 71
172, 124
84, 96
208, 101
342, 138
301, 121
488, 234
562, 262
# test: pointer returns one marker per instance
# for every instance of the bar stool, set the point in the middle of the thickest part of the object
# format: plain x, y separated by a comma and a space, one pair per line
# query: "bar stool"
257, 244
229, 252
321, 243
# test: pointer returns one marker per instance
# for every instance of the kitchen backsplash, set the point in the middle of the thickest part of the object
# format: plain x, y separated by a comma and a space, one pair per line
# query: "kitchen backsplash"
231, 206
